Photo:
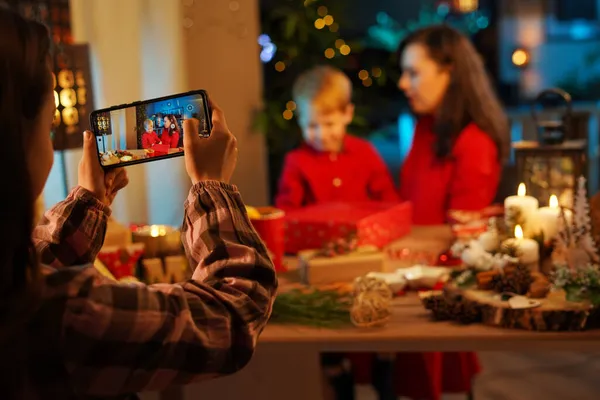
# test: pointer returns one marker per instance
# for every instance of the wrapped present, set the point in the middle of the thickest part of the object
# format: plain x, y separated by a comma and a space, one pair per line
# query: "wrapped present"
121, 261
172, 269
318, 268
467, 225
372, 223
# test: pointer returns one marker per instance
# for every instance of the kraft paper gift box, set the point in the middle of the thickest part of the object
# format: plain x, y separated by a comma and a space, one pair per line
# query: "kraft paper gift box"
373, 223
320, 270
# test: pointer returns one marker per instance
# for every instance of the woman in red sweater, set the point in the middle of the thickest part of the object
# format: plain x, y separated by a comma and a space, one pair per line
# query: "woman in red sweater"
455, 162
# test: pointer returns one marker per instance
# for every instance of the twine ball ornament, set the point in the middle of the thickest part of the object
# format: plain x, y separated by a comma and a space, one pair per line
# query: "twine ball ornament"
371, 306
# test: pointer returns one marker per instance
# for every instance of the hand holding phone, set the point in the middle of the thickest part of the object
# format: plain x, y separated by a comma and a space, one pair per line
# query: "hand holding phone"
212, 158
148, 130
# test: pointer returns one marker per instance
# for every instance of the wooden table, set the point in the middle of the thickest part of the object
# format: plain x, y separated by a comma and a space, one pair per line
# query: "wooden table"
286, 362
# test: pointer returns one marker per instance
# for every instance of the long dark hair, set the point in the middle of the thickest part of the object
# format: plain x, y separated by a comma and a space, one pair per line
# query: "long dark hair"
469, 98
172, 121
25, 80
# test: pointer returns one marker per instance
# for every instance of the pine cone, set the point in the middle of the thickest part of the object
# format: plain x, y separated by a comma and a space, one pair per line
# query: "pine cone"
516, 280
465, 313
439, 307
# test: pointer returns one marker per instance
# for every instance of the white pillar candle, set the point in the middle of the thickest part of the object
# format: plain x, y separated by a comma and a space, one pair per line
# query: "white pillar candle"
528, 250
548, 218
527, 205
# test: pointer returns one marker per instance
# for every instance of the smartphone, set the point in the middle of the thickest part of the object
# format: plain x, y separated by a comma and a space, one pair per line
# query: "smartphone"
148, 130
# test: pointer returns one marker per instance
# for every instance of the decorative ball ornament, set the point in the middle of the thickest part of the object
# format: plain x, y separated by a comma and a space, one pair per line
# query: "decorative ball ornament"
371, 305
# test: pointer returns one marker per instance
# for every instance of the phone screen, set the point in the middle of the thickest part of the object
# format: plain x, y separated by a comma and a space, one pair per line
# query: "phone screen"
148, 130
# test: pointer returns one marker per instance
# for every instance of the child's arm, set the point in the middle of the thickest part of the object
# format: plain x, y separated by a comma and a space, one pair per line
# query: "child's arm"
291, 192
381, 185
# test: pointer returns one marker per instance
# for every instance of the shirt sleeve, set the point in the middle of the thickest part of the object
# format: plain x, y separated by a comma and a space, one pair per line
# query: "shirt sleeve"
126, 338
291, 193
477, 173
381, 186
72, 232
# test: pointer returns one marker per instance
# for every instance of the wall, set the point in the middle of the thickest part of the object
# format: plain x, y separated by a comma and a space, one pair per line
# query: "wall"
207, 55
222, 57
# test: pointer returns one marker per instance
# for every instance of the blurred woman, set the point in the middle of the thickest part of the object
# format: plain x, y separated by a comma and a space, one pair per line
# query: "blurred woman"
460, 141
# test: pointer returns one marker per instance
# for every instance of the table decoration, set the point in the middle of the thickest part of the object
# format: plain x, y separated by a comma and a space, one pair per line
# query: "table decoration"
159, 240
521, 210
371, 303
515, 295
313, 307
270, 226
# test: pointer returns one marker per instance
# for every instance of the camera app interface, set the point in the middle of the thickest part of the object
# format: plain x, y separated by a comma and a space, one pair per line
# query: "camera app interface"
147, 130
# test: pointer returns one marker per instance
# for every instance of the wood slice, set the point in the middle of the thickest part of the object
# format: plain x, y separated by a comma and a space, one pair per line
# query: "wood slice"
554, 313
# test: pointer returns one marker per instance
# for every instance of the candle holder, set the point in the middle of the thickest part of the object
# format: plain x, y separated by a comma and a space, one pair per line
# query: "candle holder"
160, 240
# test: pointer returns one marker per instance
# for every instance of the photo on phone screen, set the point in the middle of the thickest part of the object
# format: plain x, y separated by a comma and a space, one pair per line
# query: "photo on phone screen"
148, 130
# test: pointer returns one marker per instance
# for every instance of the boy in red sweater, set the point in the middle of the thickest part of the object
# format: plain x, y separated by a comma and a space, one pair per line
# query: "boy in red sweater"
330, 165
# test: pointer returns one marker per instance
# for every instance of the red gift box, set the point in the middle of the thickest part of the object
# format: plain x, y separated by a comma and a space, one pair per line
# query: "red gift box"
373, 223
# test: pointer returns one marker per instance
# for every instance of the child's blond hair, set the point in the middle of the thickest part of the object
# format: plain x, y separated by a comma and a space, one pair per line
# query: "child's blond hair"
147, 123
324, 87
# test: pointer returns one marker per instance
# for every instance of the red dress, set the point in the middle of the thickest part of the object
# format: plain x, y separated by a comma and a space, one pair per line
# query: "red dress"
355, 174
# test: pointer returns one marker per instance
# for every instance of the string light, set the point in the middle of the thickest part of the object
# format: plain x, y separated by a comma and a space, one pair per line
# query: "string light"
330, 53
288, 114
367, 82
334, 27
520, 57
290, 105
322, 11
339, 43
279, 66
320, 23
376, 72
345, 50
363, 74
328, 19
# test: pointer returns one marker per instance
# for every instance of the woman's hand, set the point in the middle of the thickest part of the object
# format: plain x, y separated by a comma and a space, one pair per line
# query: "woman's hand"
212, 158
103, 185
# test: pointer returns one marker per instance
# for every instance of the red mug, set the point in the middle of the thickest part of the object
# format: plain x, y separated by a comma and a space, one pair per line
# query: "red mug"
271, 229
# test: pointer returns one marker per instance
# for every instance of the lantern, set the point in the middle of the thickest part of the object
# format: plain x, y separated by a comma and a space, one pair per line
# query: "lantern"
550, 165
71, 75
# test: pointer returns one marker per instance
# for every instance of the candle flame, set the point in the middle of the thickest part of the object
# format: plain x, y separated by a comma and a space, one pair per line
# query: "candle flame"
154, 231
553, 201
518, 232
522, 191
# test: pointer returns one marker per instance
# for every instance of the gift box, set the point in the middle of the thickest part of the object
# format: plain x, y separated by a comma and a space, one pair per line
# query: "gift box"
372, 223
467, 225
121, 261
316, 269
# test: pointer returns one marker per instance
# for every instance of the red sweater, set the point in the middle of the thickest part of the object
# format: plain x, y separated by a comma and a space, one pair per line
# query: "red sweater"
171, 141
149, 139
467, 181
356, 174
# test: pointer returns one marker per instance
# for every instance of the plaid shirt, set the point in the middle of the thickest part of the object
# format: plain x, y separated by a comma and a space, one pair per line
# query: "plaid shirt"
95, 338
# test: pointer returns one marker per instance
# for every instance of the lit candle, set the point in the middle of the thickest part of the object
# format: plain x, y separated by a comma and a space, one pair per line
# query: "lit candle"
527, 206
159, 240
548, 218
528, 250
